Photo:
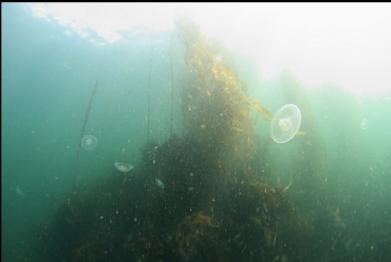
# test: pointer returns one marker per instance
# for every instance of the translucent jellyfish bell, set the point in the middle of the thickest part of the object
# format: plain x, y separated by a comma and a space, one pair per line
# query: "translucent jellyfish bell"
89, 142
122, 166
285, 123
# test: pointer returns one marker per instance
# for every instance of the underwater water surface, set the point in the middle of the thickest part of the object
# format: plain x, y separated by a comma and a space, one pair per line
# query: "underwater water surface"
174, 161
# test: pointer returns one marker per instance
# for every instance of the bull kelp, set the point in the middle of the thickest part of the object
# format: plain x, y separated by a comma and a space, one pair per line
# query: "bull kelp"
204, 194
197, 196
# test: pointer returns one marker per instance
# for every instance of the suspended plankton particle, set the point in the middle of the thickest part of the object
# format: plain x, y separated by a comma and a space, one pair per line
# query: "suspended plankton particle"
159, 183
89, 142
364, 124
122, 166
19, 191
285, 123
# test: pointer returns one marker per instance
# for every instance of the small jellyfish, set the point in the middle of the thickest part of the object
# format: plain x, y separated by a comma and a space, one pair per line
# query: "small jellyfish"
285, 123
122, 166
89, 142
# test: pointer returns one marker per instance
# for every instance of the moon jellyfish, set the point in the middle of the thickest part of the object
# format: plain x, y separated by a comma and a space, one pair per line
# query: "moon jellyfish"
122, 166
89, 142
285, 123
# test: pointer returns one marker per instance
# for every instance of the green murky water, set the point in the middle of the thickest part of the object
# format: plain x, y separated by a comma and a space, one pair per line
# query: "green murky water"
340, 169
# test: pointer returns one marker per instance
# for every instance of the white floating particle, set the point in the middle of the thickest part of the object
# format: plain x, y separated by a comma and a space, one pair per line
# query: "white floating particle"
159, 183
364, 124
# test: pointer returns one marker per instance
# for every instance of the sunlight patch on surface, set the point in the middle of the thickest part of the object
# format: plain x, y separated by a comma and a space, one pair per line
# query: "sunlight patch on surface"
343, 44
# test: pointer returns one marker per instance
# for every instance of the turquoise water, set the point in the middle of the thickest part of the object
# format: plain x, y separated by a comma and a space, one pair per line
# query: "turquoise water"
343, 161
